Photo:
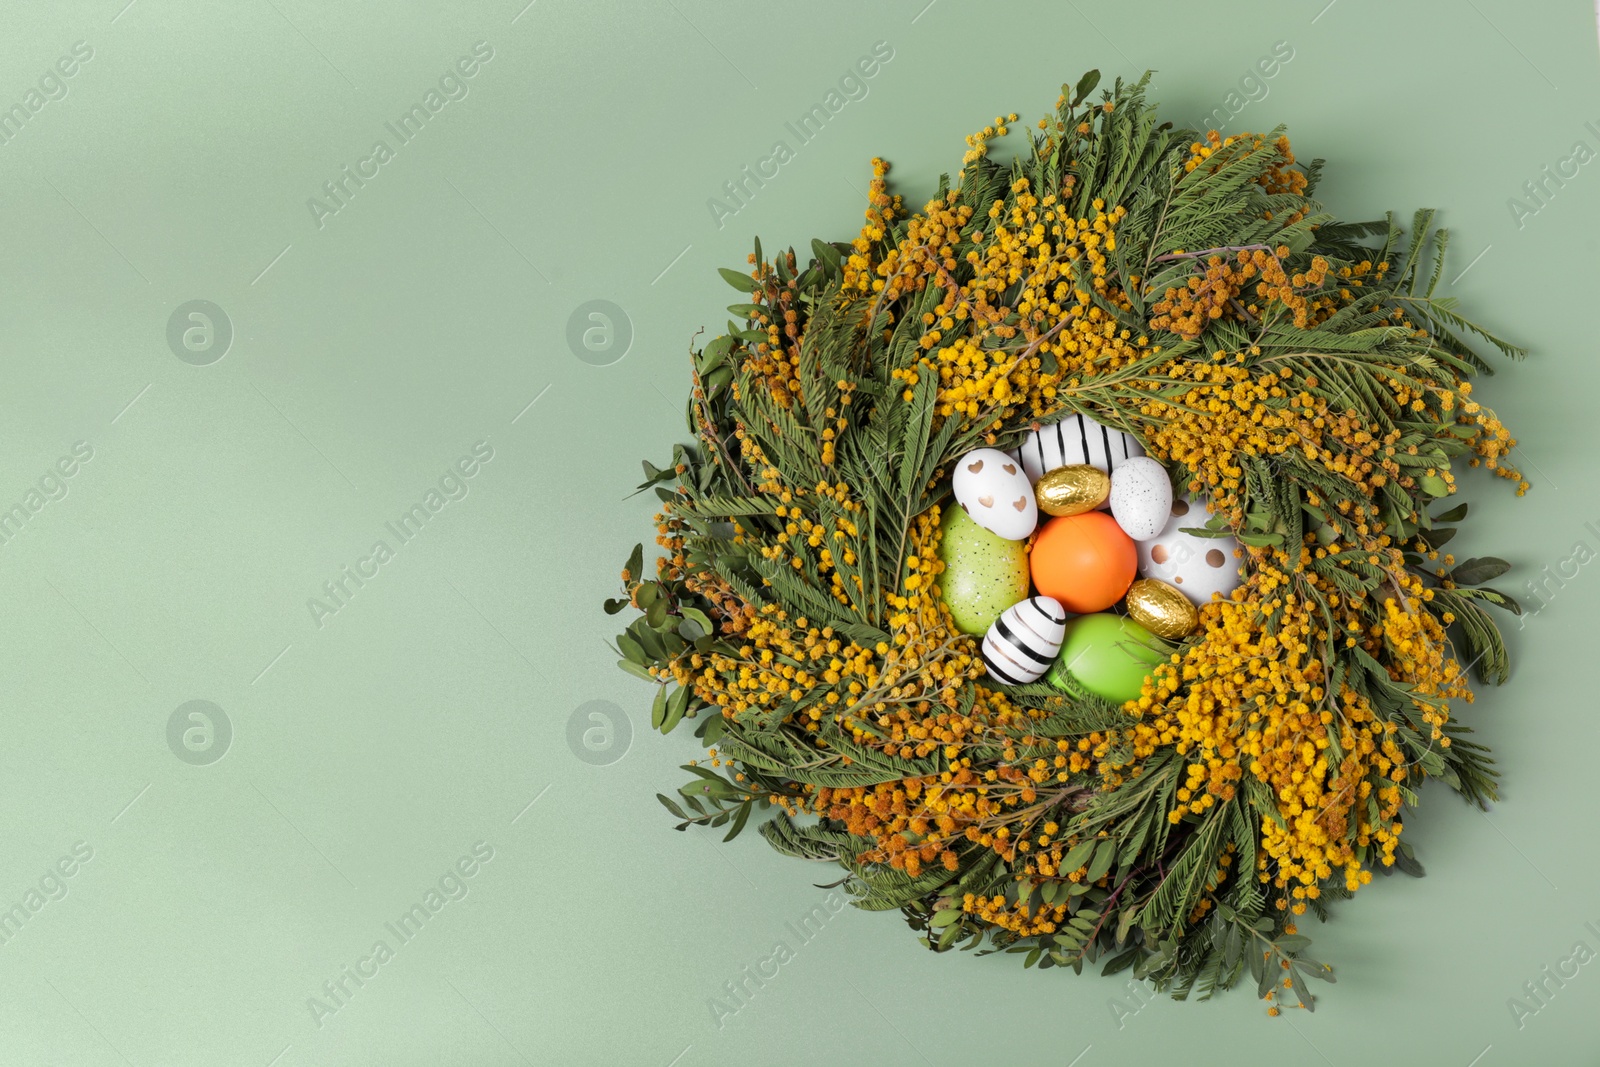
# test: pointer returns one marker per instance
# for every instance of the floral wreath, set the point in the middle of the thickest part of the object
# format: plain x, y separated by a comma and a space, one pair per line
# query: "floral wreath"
1013, 721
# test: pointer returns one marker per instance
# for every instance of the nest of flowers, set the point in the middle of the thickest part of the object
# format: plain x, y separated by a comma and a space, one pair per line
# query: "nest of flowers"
1294, 373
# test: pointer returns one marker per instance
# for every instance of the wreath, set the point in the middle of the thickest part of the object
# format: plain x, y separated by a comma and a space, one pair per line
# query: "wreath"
914, 640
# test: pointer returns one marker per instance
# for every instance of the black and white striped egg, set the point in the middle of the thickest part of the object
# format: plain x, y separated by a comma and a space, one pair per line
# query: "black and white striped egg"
1024, 640
1075, 440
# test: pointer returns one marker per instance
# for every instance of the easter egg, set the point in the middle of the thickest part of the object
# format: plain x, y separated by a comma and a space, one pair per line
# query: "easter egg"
1161, 608
1024, 640
1199, 566
984, 574
1072, 490
1076, 440
1084, 561
1106, 654
1141, 497
990, 486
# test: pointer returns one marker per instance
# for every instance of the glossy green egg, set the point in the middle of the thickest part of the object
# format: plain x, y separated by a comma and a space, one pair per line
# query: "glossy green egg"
1108, 655
983, 574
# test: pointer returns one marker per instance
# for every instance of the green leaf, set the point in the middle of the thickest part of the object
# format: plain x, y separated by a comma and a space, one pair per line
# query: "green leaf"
1268, 976
1122, 960
655, 649
1078, 855
631, 650
1434, 485
699, 618
1296, 980
739, 820
714, 353
715, 787
711, 729
738, 279
1219, 531
1315, 969
1085, 86
671, 805
1478, 570
1437, 538
1495, 597
677, 703
1455, 514
1406, 862
1103, 855
827, 255
635, 670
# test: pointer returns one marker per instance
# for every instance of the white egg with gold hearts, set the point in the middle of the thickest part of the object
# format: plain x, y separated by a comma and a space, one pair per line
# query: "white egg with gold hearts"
1198, 566
991, 487
1024, 640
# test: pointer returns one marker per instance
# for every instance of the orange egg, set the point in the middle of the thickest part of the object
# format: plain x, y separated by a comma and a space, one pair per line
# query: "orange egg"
1085, 561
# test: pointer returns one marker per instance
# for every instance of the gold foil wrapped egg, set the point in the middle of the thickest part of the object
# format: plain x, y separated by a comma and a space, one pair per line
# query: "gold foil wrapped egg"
1161, 608
1072, 490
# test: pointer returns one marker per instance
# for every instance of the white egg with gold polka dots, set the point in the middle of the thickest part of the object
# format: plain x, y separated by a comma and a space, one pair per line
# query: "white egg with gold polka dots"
1199, 566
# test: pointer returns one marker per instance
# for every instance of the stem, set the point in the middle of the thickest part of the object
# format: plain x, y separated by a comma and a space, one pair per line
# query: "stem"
1105, 911
1173, 257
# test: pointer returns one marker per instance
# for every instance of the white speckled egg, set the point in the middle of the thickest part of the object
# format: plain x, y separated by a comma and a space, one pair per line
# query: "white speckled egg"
1075, 440
991, 487
1024, 640
1200, 566
1141, 497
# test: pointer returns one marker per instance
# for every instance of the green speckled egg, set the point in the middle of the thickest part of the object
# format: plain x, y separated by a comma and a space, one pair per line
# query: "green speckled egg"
983, 574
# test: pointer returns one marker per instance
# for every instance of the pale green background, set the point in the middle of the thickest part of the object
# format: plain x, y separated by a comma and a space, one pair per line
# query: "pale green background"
427, 714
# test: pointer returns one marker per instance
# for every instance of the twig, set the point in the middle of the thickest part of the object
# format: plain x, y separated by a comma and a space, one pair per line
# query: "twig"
1172, 257
1105, 910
